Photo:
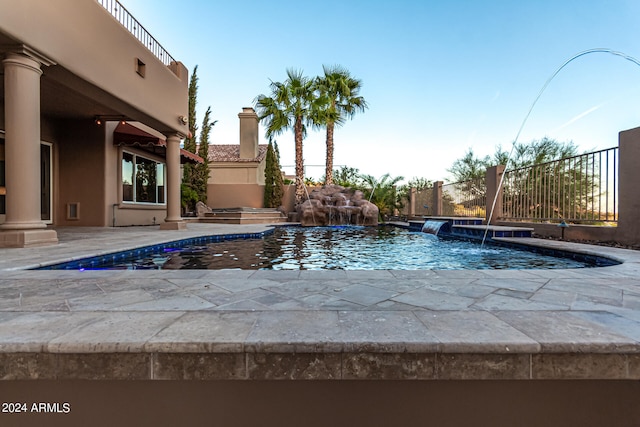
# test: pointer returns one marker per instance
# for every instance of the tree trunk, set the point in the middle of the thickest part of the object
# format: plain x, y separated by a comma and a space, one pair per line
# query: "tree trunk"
329, 161
299, 162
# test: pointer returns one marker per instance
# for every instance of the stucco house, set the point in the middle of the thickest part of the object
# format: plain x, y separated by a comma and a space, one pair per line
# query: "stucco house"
236, 177
92, 111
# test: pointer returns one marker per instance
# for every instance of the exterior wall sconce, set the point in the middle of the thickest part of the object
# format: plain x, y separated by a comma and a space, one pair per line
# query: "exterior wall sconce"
183, 120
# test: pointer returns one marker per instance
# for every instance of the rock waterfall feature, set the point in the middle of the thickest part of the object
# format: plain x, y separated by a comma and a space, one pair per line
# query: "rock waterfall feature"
336, 205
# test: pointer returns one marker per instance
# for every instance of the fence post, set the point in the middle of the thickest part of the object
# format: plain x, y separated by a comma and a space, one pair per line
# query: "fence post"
492, 179
412, 202
628, 230
437, 198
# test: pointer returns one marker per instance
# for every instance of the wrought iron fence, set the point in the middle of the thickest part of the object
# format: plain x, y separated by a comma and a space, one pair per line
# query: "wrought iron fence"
582, 189
466, 198
123, 16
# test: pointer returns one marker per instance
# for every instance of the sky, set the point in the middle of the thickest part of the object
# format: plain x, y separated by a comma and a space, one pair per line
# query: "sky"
440, 77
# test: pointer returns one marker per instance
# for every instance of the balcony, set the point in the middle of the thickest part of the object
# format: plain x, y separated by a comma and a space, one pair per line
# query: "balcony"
122, 15
102, 62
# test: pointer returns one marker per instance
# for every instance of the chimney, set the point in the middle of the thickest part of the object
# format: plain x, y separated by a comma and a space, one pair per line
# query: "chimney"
248, 133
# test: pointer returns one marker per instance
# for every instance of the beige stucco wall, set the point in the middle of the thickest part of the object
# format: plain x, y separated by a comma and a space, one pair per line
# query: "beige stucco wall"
236, 173
86, 40
81, 174
222, 196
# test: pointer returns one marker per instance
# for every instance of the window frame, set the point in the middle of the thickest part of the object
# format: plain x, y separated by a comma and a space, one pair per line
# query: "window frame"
161, 178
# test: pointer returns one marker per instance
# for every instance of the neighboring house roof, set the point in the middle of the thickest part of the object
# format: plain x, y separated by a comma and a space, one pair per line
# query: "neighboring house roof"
231, 153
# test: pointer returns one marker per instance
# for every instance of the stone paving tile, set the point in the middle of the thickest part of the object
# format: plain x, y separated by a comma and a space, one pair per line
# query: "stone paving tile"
276, 274
612, 322
514, 294
511, 274
412, 274
462, 287
230, 298
323, 274
109, 301
395, 285
237, 285
434, 300
369, 274
394, 306
364, 295
503, 302
631, 301
559, 332
118, 332
460, 274
204, 332
385, 332
303, 288
174, 302
475, 332
597, 288
295, 331
244, 305
514, 284
25, 332
276, 301
626, 313
551, 296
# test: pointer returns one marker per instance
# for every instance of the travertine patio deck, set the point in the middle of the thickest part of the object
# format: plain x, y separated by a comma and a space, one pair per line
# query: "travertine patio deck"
233, 324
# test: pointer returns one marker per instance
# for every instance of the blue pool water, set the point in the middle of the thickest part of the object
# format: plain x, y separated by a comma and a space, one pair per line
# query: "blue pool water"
331, 248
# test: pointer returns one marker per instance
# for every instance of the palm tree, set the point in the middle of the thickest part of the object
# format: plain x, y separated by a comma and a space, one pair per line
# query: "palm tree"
339, 97
383, 192
290, 106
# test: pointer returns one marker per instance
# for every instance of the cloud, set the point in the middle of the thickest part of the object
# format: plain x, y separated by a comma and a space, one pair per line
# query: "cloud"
579, 116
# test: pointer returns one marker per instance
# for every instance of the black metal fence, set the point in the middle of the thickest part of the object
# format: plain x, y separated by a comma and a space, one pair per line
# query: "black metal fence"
582, 189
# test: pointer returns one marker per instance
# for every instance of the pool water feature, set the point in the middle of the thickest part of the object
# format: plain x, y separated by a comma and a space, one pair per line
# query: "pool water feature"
333, 248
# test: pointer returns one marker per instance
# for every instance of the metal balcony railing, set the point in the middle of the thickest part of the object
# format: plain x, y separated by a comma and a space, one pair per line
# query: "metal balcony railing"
127, 20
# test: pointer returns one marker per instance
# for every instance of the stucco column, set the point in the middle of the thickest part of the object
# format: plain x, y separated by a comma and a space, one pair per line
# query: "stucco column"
412, 202
23, 225
628, 230
494, 194
173, 221
437, 199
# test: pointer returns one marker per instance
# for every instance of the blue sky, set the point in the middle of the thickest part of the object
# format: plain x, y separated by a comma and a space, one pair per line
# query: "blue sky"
440, 77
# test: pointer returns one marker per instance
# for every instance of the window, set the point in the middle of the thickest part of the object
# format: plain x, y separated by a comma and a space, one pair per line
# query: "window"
142, 179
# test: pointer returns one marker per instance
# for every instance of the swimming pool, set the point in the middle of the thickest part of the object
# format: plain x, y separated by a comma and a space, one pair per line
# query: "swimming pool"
330, 248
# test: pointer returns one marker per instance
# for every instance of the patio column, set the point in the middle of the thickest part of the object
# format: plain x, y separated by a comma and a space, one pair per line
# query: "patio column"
23, 225
173, 221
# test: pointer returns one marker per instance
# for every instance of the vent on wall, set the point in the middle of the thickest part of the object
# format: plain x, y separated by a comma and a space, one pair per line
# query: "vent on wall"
141, 68
73, 211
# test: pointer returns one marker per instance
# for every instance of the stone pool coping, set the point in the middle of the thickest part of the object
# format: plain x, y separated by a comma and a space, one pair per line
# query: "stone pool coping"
241, 324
